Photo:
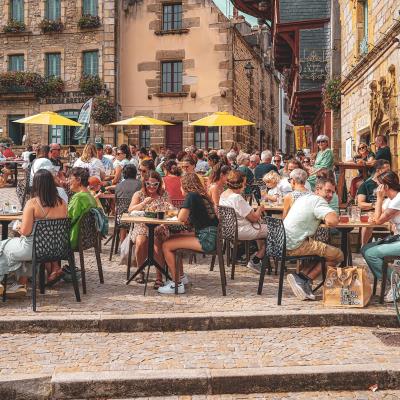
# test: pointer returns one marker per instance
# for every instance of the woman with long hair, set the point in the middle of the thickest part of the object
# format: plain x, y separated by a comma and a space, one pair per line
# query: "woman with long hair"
218, 178
89, 160
152, 198
198, 209
121, 160
16, 252
385, 211
172, 180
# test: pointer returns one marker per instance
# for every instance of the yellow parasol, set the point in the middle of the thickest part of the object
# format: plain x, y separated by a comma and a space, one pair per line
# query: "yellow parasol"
140, 120
48, 118
221, 118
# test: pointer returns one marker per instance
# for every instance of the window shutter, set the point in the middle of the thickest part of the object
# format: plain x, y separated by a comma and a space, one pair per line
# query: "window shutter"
17, 10
91, 63
90, 7
53, 63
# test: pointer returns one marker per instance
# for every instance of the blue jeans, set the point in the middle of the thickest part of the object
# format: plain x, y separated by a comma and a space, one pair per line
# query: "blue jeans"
374, 253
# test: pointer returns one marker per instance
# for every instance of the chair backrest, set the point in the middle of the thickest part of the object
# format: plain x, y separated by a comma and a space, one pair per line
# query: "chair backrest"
88, 235
51, 240
256, 192
121, 207
322, 235
228, 223
275, 242
23, 188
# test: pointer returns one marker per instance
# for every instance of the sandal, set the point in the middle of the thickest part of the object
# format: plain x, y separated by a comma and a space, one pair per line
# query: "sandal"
158, 283
140, 278
54, 277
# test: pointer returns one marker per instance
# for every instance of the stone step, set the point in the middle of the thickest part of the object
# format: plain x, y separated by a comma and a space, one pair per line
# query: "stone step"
121, 365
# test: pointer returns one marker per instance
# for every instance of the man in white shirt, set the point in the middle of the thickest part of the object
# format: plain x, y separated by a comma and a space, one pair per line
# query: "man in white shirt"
301, 224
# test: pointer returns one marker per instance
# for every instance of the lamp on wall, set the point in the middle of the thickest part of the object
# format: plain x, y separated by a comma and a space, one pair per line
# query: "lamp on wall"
248, 68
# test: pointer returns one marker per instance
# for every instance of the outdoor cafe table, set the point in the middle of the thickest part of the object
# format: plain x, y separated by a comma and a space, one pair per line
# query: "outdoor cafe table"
5, 220
270, 209
151, 223
15, 163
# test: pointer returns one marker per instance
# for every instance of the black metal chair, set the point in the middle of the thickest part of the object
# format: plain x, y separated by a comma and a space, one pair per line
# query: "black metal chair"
121, 207
51, 242
275, 247
88, 238
256, 192
23, 188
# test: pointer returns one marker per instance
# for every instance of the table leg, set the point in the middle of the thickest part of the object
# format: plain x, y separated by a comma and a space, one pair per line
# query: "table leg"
4, 229
346, 248
16, 175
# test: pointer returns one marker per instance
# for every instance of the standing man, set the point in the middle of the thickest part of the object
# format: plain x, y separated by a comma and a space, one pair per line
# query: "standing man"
265, 166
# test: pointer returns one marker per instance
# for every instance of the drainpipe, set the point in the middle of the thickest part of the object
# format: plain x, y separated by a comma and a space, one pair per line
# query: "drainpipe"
116, 66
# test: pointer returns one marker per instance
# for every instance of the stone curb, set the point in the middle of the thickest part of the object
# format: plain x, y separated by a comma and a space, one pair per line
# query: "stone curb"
25, 387
195, 322
148, 383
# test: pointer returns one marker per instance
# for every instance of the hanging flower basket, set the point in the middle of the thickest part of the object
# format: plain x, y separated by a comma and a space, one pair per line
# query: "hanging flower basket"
103, 111
89, 22
54, 85
51, 26
14, 27
91, 85
331, 94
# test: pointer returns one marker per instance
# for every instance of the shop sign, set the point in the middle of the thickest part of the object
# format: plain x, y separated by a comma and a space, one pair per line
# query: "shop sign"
362, 123
66, 98
314, 65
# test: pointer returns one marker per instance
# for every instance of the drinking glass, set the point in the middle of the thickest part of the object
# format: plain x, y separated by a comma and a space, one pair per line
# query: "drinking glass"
355, 214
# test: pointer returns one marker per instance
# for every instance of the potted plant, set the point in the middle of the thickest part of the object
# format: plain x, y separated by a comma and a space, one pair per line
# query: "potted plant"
89, 22
91, 85
50, 25
103, 111
331, 94
14, 27
54, 85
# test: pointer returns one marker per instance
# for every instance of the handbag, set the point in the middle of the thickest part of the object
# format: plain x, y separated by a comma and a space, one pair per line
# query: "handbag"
125, 249
347, 287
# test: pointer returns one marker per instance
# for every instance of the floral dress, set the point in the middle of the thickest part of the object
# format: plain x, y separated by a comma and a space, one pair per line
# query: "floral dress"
161, 232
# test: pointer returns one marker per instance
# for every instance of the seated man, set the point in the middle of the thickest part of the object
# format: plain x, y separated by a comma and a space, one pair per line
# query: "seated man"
366, 195
301, 224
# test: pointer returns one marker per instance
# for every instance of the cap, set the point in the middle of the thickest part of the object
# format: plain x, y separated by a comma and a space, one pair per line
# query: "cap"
99, 146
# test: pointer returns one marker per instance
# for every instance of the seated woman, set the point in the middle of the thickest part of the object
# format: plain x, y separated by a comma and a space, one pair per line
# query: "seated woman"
80, 202
243, 161
152, 197
14, 253
90, 161
385, 211
297, 179
172, 180
218, 179
119, 164
197, 209
364, 157
249, 226
277, 187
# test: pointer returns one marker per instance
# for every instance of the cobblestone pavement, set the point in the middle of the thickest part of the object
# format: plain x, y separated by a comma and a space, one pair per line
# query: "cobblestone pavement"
224, 349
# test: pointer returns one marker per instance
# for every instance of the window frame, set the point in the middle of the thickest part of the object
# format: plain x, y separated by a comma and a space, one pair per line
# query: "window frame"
84, 73
57, 7
176, 17
144, 136
47, 64
95, 4
207, 131
9, 57
12, 8
169, 84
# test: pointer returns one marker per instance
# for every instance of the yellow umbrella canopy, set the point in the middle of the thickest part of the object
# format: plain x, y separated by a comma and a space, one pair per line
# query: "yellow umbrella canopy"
221, 118
141, 120
48, 118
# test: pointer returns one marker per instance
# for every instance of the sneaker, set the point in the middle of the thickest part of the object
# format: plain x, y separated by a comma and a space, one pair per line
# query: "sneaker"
389, 297
169, 288
185, 279
298, 286
255, 267
308, 289
16, 290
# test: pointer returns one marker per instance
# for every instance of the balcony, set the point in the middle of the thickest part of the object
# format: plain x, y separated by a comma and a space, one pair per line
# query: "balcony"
260, 9
17, 92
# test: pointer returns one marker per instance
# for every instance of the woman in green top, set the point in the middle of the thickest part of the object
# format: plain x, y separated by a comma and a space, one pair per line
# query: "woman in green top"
81, 201
243, 160
324, 159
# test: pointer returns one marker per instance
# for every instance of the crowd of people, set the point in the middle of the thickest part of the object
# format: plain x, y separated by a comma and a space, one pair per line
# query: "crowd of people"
200, 181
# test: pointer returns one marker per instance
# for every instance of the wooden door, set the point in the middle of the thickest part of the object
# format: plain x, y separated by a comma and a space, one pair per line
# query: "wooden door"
173, 137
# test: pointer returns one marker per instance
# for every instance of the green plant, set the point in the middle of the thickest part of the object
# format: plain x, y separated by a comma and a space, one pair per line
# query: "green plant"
103, 111
54, 85
331, 94
49, 25
91, 85
89, 21
14, 27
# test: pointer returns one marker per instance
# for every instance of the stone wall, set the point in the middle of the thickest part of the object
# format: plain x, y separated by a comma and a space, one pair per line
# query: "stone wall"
71, 42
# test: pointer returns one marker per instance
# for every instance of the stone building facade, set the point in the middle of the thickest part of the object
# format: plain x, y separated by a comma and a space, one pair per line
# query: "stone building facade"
181, 61
370, 73
68, 52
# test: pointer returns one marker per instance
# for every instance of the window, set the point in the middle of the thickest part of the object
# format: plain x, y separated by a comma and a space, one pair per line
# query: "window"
15, 131
362, 19
172, 16
17, 10
144, 136
91, 62
53, 64
90, 7
64, 134
206, 137
171, 77
16, 62
53, 9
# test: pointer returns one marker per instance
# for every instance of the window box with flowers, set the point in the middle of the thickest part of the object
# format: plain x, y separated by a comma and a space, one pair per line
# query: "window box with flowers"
331, 94
14, 27
89, 22
103, 111
91, 85
51, 26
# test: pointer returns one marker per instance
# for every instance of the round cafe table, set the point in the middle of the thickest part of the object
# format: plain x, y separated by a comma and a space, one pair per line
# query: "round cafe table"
151, 224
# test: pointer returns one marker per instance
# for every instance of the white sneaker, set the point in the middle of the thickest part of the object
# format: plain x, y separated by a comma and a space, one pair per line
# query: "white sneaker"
185, 279
389, 297
169, 288
16, 290
255, 267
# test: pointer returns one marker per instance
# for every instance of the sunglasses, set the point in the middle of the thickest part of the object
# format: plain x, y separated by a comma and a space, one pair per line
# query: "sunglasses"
55, 149
322, 141
152, 184
277, 160
362, 147
119, 153
306, 162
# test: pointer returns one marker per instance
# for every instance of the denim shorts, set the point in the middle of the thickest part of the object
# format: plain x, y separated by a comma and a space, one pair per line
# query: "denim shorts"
207, 238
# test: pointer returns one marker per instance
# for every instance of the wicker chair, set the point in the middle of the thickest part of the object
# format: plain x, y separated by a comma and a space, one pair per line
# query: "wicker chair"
275, 247
23, 188
51, 242
121, 207
88, 238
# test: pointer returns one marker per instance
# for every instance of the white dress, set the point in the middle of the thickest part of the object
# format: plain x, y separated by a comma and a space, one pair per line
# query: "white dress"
95, 166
